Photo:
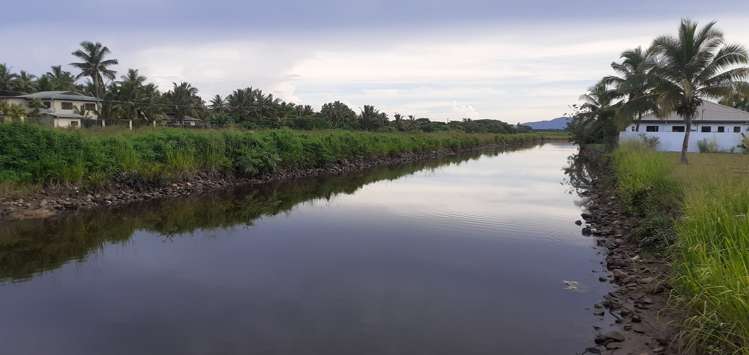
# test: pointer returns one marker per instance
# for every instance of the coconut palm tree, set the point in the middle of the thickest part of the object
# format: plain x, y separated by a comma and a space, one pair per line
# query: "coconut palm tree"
594, 120
183, 100
695, 65
6, 78
60, 79
94, 65
218, 104
24, 82
634, 83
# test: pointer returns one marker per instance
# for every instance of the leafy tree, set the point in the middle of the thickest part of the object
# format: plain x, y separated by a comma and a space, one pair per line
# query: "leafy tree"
12, 112
739, 98
695, 65
634, 83
338, 114
94, 65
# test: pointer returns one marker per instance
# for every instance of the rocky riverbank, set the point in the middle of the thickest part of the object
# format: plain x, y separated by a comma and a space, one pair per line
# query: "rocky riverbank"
55, 200
642, 321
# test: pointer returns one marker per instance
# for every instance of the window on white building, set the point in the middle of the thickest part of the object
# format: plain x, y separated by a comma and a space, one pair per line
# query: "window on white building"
721, 129
67, 105
707, 129
651, 129
678, 129
736, 129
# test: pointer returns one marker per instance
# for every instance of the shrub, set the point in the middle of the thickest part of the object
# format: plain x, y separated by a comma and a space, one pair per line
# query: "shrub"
707, 146
35, 154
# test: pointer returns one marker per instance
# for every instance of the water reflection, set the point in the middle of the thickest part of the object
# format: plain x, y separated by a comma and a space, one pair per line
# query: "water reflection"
31, 246
463, 256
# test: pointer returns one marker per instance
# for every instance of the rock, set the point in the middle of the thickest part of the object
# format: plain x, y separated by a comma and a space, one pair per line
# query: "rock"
619, 274
586, 216
579, 222
646, 280
608, 337
612, 346
587, 231
592, 350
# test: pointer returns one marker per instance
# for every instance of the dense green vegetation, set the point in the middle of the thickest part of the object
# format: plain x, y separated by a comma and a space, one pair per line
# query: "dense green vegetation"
133, 98
700, 211
674, 75
34, 154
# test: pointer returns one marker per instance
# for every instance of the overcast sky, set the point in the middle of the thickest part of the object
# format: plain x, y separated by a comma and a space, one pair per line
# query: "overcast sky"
514, 61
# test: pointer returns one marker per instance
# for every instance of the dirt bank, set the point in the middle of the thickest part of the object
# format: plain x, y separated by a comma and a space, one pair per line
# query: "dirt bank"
642, 321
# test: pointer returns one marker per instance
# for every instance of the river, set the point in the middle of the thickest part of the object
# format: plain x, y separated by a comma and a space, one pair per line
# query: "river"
466, 255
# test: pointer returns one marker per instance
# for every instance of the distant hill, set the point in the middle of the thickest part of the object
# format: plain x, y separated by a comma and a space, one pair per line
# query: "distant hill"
558, 124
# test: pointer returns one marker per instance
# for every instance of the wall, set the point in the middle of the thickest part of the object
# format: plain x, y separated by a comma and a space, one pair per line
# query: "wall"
57, 107
672, 141
66, 123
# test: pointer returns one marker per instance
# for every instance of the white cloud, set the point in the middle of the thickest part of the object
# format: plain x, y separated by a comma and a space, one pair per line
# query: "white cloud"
505, 71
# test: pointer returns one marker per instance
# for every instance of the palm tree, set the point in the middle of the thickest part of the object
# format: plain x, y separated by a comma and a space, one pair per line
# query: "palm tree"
24, 82
218, 105
60, 79
696, 65
6, 78
183, 100
634, 83
594, 121
94, 65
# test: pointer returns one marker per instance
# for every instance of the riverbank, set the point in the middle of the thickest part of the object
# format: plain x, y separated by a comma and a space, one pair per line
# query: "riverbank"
677, 238
46, 172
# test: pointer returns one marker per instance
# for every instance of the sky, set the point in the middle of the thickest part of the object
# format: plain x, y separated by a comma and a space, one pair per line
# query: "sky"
514, 61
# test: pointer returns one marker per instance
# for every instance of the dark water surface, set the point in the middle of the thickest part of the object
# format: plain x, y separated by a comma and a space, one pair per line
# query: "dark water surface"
462, 256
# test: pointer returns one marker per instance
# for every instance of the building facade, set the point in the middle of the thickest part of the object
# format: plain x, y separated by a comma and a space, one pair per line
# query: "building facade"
63, 109
719, 126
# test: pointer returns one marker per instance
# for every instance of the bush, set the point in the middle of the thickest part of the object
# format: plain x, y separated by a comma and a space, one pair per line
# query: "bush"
35, 154
707, 146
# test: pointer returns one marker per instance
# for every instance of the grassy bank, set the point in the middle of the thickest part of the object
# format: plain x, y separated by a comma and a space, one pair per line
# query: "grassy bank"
33, 155
699, 212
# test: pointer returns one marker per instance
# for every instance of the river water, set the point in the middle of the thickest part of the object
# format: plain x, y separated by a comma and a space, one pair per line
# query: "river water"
467, 255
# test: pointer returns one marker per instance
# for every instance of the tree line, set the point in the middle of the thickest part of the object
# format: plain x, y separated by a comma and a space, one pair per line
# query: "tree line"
132, 97
675, 74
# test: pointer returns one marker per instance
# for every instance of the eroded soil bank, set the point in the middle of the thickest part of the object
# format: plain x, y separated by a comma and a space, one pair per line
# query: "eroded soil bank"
635, 317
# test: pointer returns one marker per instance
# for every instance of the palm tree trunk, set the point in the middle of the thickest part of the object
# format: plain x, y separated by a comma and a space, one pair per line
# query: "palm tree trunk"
637, 124
685, 145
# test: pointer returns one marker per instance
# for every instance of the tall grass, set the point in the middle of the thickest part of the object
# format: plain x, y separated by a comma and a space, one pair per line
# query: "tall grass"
711, 251
35, 155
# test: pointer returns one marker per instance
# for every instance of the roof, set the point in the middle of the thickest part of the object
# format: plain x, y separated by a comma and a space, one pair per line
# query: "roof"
708, 112
59, 95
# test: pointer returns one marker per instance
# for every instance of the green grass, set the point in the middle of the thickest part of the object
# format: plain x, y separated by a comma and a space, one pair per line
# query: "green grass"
710, 253
31, 154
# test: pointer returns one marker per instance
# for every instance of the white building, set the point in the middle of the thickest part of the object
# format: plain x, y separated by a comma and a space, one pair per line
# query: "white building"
723, 126
65, 109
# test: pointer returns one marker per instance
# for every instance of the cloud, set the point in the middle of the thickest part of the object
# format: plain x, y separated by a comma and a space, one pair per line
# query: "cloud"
509, 69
